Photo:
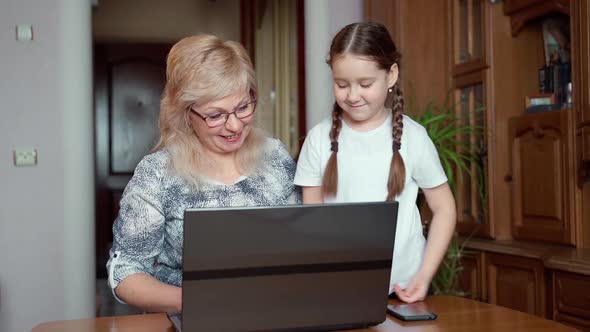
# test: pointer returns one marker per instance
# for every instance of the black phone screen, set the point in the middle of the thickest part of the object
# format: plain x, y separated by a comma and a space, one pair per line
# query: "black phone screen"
410, 312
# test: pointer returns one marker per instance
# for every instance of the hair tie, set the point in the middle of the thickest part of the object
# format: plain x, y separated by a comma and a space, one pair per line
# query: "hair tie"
396, 146
334, 147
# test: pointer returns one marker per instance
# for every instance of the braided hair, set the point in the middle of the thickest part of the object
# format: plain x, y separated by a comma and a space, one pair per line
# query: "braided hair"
372, 40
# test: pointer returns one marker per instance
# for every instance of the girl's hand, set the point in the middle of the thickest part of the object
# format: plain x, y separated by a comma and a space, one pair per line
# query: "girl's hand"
416, 290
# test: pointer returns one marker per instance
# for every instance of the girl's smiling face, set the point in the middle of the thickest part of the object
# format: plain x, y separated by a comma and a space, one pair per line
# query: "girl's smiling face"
360, 89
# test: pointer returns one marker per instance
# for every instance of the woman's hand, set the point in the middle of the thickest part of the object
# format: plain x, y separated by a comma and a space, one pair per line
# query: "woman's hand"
416, 291
178, 298
146, 292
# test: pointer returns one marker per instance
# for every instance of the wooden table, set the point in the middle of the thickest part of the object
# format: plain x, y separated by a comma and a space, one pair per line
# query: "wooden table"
454, 314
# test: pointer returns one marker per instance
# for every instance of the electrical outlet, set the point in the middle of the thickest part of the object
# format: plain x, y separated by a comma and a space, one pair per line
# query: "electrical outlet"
25, 157
24, 32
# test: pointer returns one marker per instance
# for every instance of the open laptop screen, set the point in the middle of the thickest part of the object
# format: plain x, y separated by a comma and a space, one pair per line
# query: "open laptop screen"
288, 267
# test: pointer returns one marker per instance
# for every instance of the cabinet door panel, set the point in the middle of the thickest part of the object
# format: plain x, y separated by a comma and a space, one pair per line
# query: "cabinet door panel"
572, 294
516, 283
471, 280
540, 186
573, 321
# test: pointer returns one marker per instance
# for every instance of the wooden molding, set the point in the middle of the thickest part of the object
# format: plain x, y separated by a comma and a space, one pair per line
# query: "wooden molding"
523, 11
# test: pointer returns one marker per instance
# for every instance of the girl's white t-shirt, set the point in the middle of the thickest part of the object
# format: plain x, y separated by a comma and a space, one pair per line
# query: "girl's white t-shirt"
363, 169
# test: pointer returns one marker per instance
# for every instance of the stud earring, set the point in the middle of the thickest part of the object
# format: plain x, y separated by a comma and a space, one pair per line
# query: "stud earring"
390, 90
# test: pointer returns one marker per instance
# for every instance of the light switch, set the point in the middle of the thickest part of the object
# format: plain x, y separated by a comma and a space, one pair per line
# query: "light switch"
24, 32
25, 157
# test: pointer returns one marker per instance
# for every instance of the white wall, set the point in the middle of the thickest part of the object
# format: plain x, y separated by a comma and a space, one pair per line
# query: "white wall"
46, 215
323, 19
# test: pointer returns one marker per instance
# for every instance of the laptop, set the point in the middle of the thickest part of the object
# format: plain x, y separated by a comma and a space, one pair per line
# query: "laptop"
287, 268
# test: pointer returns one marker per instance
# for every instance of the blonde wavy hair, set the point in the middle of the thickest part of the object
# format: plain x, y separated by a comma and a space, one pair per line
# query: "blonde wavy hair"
201, 69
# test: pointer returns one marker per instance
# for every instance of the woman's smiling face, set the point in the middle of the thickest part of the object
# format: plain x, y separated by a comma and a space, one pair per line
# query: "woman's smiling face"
228, 137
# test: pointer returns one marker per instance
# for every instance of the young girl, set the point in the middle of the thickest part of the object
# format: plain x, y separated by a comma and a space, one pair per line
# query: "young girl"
369, 151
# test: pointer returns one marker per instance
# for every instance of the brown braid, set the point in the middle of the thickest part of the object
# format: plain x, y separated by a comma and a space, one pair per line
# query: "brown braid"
397, 170
330, 180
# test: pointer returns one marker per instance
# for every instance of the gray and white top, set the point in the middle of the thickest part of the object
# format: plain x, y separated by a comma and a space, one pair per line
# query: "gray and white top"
147, 234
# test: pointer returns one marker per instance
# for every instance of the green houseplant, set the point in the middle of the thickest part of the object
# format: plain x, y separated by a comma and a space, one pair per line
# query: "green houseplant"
447, 132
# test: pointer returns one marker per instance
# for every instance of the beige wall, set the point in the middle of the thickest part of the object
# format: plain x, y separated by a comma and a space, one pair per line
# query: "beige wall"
165, 21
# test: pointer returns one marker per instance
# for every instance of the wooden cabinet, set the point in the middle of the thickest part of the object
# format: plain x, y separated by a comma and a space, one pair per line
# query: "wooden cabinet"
486, 55
516, 282
571, 299
537, 166
546, 280
472, 278
541, 178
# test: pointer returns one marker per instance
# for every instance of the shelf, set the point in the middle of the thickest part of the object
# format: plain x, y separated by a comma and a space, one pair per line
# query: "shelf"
554, 257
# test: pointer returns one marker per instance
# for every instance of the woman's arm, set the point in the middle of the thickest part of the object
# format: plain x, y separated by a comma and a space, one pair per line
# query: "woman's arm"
138, 237
146, 292
313, 195
442, 203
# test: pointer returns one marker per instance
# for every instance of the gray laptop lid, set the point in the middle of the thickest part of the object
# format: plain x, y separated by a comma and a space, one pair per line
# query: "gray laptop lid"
299, 267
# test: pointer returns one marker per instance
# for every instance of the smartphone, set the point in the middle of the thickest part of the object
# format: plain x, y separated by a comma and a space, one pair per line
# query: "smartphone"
410, 312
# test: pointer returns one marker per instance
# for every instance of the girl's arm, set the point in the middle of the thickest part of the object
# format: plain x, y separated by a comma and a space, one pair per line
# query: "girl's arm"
146, 292
442, 203
313, 195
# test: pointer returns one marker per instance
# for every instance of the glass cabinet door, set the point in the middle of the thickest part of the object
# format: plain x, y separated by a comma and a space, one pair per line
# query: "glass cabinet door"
471, 185
469, 66
468, 34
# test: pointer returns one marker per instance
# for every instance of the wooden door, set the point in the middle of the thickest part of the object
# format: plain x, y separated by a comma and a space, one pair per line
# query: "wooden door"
516, 283
128, 83
541, 178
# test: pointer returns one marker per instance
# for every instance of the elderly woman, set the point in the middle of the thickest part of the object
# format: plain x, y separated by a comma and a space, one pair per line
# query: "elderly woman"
209, 155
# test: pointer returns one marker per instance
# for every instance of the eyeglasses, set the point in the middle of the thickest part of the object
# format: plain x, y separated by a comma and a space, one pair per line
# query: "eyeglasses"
219, 119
